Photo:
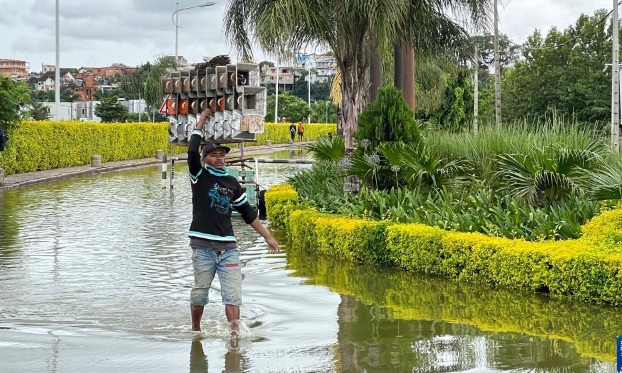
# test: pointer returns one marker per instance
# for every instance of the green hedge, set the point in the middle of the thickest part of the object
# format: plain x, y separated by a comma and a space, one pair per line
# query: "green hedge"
47, 145
588, 269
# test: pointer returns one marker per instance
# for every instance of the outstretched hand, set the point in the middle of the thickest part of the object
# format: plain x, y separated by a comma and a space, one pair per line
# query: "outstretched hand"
273, 246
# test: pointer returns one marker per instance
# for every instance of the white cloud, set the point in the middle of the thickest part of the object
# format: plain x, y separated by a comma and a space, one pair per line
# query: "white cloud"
98, 33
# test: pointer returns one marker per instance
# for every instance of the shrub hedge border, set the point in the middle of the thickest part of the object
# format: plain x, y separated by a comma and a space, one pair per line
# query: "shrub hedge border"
587, 269
48, 145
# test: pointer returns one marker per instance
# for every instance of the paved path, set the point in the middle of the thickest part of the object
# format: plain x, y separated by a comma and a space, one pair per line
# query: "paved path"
17, 180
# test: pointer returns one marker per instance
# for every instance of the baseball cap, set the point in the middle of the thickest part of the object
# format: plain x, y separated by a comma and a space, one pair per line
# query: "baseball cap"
211, 147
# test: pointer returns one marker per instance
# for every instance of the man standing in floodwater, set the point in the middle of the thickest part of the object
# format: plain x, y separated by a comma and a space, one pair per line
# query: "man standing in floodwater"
214, 248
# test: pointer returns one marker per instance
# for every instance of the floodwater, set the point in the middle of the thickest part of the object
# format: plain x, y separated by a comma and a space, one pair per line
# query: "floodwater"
95, 276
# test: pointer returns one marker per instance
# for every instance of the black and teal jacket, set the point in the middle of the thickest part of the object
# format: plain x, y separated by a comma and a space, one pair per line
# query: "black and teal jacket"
214, 194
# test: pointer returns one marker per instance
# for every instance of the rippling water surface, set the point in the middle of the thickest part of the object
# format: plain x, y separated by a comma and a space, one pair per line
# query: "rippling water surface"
95, 275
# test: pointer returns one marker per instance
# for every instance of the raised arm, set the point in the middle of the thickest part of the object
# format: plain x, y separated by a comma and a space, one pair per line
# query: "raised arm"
194, 157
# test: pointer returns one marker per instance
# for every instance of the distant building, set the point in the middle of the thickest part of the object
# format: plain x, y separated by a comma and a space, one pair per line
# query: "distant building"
109, 71
85, 111
286, 77
85, 86
324, 66
45, 82
14, 68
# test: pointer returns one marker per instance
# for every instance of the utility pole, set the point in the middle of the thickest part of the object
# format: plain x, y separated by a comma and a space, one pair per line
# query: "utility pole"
57, 72
615, 82
497, 69
476, 92
276, 98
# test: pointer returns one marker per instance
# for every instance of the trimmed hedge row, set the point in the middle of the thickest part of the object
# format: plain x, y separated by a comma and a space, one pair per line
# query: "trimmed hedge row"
47, 145
588, 269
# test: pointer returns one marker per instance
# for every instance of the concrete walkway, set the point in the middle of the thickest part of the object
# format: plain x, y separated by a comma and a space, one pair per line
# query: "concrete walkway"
17, 180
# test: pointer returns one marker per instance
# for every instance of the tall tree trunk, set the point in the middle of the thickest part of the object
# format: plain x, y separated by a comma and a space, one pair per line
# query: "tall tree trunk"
351, 108
398, 74
375, 72
408, 77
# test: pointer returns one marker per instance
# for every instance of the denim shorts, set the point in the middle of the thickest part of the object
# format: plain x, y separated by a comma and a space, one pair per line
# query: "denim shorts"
206, 263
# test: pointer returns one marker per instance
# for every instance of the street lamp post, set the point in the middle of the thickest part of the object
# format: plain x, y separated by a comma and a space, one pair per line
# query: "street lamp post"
57, 67
309, 88
175, 19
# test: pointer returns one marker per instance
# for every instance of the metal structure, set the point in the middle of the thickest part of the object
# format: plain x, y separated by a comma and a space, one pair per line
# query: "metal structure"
231, 92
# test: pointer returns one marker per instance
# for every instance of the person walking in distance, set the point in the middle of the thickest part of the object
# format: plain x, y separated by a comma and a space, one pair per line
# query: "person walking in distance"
301, 131
292, 131
212, 240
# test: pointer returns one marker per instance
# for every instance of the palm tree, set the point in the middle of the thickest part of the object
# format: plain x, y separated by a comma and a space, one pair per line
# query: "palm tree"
352, 29
346, 27
426, 28
151, 87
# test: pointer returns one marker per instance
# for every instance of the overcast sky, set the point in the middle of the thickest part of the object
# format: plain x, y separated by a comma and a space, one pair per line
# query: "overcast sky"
101, 32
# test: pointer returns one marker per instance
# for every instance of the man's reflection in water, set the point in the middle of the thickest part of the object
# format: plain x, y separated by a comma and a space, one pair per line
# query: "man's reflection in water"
198, 359
232, 362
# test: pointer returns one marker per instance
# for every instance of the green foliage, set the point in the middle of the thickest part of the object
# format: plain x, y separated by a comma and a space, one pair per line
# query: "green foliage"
508, 51
12, 96
562, 71
320, 91
328, 148
323, 112
66, 95
548, 175
293, 108
388, 118
111, 110
469, 183
38, 111
456, 111
582, 270
151, 81
279, 200
324, 176
47, 145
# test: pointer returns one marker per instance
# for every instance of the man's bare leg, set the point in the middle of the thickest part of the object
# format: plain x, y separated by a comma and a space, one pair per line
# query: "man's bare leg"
196, 312
233, 317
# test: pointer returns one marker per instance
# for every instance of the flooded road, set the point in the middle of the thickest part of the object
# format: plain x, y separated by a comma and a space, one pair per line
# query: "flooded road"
95, 275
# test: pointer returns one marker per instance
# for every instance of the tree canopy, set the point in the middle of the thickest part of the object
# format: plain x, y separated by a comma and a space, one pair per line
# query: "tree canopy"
12, 96
562, 74
111, 110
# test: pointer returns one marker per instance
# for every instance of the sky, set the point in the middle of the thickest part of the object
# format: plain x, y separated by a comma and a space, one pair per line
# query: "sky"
98, 33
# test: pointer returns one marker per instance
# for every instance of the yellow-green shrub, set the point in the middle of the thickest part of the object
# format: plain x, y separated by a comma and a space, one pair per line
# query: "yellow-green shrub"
588, 269
278, 199
278, 133
46, 145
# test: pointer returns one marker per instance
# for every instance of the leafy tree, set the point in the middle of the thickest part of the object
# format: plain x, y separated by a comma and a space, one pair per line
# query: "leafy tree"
456, 110
508, 51
562, 74
319, 90
323, 112
111, 110
66, 95
351, 29
12, 96
150, 84
291, 107
38, 111
388, 118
